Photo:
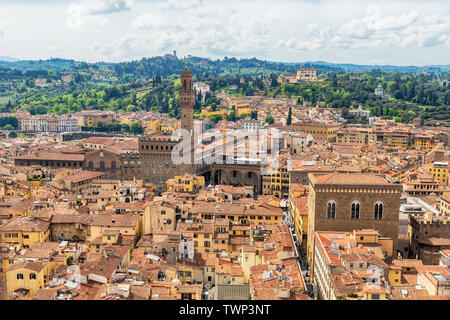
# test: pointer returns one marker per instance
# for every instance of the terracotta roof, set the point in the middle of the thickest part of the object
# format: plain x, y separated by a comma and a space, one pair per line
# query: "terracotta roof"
217, 208
71, 218
34, 266
25, 224
98, 140
83, 175
45, 294
436, 241
52, 156
114, 220
348, 179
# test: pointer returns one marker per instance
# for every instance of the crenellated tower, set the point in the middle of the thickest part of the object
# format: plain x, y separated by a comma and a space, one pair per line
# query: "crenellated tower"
187, 100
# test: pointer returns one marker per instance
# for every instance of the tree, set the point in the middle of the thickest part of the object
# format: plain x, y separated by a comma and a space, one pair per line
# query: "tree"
289, 118
41, 110
9, 121
8, 106
131, 108
136, 128
345, 114
273, 80
269, 119
12, 134
125, 127
231, 116
8, 127
254, 115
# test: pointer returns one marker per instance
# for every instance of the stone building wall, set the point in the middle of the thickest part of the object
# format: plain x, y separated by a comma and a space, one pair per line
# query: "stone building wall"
344, 196
104, 161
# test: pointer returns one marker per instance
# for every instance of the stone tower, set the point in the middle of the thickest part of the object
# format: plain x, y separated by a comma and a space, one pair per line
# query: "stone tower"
187, 100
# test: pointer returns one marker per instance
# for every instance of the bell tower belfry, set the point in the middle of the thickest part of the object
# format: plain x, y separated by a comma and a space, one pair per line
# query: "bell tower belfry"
187, 100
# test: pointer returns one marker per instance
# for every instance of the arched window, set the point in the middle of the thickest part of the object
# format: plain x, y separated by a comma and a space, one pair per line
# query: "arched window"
102, 165
355, 210
163, 212
19, 276
33, 276
113, 164
378, 211
331, 210
91, 165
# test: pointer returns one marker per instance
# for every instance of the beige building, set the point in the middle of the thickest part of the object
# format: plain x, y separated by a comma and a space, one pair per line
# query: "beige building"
356, 136
306, 74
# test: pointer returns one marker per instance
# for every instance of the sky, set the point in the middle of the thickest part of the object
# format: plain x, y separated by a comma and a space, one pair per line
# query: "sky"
397, 32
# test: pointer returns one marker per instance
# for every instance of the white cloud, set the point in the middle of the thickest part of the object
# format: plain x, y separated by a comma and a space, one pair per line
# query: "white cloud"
180, 4
217, 32
374, 31
5, 26
434, 31
149, 21
401, 32
272, 16
81, 12
371, 24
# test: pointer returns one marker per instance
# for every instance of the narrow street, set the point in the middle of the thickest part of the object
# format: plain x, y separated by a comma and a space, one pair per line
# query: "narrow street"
287, 219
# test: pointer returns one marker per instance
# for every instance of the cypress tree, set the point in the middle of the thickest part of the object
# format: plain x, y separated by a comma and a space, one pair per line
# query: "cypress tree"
289, 118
